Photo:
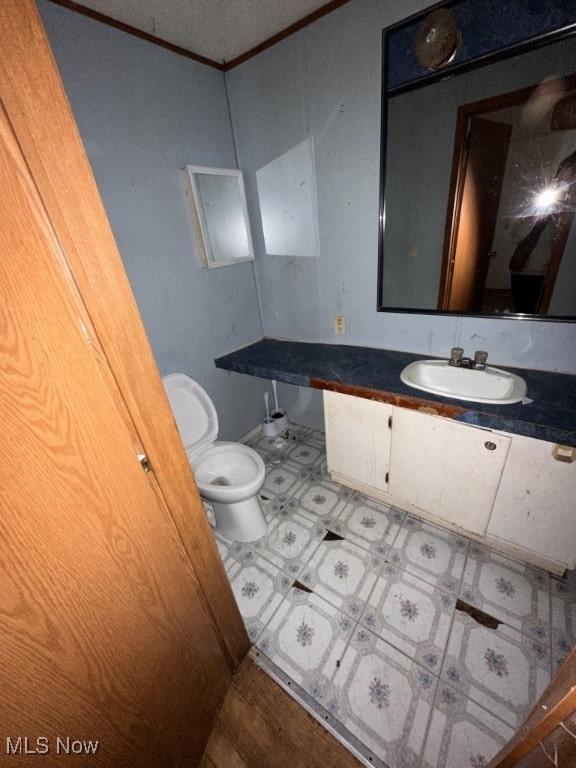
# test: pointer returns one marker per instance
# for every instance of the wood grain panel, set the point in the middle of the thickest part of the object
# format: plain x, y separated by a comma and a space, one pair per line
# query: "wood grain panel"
558, 749
34, 99
261, 726
381, 396
103, 629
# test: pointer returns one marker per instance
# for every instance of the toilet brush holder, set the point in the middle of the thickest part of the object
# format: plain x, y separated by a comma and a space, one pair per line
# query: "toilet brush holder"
280, 419
270, 427
278, 414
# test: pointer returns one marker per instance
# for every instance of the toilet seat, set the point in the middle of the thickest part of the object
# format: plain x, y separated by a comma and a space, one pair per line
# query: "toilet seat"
245, 471
194, 411
224, 471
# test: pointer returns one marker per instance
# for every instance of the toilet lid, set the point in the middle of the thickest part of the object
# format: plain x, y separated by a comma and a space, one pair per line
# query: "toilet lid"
193, 410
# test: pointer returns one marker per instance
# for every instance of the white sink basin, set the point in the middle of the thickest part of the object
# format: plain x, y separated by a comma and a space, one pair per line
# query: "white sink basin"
490, 385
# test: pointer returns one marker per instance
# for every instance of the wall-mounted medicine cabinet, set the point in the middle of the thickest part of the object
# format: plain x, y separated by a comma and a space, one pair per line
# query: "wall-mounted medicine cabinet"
217, 202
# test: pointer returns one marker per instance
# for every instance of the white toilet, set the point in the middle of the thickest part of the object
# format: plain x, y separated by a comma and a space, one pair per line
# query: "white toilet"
228, 475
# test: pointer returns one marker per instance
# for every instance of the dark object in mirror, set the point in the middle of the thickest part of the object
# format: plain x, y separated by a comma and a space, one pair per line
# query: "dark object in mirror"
437, 39
564, 114
421, 202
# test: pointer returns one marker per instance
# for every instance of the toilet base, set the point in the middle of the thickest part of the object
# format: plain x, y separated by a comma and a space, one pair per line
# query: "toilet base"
241, 520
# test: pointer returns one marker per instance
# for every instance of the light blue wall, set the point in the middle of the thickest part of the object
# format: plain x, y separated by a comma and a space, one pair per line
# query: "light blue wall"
322, 86
143, 114
307, 109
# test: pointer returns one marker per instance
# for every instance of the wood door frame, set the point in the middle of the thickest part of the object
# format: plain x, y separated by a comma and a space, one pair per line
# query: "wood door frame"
475, 127
556, 704
33, 96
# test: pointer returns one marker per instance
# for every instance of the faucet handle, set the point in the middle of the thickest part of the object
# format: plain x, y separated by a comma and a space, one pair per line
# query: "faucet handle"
456, 354
480, 358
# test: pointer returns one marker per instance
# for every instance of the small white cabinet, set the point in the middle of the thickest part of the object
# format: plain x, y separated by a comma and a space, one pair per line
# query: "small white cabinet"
536, 503
445, 468
357, 440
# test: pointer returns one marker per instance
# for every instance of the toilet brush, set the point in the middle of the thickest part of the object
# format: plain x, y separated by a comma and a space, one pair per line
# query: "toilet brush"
278, 414
275, 396
269, 426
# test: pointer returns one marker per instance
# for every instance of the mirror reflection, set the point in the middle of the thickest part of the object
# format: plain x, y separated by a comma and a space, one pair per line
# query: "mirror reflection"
480, 189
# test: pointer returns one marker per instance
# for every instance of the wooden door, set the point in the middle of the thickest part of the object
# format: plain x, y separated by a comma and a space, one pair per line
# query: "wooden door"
36, 105
486, 151
104, 636
117, 624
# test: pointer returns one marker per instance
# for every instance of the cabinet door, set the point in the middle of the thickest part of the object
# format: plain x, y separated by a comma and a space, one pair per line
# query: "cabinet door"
445, 468
534, 508
357, 438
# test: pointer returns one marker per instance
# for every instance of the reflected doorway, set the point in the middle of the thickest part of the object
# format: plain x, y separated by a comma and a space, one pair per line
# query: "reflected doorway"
509, 223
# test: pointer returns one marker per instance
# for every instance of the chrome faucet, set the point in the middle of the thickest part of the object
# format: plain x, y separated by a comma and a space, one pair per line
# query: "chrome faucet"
480, 358
456, 356
478, 363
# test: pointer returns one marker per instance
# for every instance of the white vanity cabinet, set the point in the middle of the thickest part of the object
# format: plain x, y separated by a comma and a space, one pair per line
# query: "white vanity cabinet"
357, 440
535, 508
419, 462
515, 493
445, 468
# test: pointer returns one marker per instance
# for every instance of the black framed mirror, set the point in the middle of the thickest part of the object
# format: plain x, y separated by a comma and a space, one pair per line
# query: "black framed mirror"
478, 161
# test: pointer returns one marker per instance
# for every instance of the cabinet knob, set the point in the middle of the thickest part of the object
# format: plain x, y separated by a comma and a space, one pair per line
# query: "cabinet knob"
490, 446
564, 453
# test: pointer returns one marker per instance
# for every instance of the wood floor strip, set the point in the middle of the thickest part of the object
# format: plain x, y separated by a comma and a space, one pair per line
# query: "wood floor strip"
261, 726
222, 752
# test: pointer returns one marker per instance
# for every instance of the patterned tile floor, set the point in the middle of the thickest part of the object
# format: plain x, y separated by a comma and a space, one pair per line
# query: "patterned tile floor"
368, 613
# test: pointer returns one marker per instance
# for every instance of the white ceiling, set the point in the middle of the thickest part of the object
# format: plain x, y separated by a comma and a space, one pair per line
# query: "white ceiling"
219, 30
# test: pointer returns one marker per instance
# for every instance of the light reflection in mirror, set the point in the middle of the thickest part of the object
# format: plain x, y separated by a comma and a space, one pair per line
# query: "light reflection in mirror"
423, 201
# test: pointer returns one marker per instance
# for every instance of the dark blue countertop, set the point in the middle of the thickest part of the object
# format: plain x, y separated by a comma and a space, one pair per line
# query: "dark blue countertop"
375, 373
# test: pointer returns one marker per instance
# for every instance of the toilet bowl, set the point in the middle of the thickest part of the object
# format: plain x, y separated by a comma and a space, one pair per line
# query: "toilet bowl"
228, 475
